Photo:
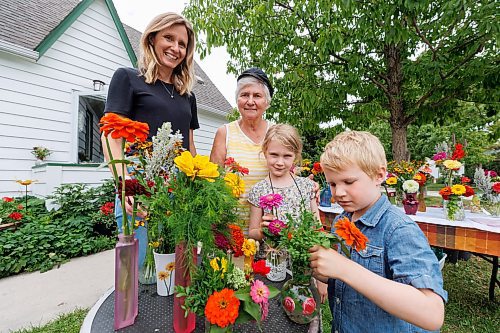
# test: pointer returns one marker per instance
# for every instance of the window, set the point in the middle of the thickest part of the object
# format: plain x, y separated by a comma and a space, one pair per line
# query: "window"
90, 111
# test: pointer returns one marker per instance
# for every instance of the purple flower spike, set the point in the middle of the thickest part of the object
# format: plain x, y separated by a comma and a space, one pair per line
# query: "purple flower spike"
275, 227
270, 201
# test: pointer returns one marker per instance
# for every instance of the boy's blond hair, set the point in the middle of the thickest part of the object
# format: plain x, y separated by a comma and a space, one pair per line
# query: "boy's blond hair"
355, 147
286, 135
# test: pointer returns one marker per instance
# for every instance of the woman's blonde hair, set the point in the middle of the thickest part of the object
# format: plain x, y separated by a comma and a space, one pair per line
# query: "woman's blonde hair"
183, 74
286, 135
355, 147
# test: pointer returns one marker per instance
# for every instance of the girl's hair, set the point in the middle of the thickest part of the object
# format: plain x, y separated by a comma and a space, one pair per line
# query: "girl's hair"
286, 135
183, 74
247, 81
354, 147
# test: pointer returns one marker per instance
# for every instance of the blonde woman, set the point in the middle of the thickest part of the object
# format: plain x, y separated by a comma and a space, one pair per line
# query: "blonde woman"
159, 90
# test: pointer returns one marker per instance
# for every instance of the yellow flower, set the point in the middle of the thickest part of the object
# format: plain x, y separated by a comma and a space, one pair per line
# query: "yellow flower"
199, 166
214, 263
170, 266
163, 275
306, 169
249, 247
139, 223
236, 183
223, 264
154, 244
25, 182
458, 189
391, 180
452, 164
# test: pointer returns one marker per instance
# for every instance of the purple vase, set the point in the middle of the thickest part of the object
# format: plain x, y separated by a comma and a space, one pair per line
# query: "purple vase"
126, 281
182, 324
410, 204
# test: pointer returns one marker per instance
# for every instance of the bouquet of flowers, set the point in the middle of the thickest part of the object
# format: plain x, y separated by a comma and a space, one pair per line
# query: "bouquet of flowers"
130, 131
225, 295
399, 172
490, 190
453, 192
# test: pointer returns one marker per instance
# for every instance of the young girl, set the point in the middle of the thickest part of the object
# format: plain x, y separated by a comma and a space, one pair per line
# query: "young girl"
282, 148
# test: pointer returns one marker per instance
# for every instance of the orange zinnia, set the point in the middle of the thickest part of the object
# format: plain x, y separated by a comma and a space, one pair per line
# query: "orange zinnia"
120, 127
445, 192
350, 234
222, 308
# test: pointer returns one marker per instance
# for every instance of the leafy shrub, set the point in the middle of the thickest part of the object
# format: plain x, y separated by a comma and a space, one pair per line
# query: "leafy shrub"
46, 239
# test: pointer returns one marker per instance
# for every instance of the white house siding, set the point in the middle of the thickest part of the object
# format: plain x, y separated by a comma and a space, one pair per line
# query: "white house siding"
37, 99
204, 136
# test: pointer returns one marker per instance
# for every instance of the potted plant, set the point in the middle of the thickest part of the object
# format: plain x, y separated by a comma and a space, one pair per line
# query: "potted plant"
41, 153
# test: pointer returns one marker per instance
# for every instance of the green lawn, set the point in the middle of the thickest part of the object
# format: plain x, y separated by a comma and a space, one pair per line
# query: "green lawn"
67, 323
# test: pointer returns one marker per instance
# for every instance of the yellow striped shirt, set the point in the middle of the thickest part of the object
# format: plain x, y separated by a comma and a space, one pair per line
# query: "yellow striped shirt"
249, 155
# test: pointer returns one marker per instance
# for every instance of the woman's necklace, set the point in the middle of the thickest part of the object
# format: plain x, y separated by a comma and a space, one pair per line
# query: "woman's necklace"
170, 93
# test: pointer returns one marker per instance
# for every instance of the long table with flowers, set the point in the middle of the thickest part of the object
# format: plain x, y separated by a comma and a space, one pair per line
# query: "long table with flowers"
156, 315
478, 233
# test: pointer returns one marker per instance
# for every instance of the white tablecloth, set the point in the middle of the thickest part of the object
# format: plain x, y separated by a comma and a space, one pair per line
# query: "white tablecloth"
436, 216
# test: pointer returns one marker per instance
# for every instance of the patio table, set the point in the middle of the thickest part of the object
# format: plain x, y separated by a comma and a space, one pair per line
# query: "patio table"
478, 234
156, 315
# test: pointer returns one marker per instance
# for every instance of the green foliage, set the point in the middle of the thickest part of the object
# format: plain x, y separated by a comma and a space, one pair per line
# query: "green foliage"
67, 323
46, 239
366, 62
196, 207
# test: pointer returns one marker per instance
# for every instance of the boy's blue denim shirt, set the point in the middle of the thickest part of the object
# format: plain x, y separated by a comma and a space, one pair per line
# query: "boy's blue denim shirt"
397, 250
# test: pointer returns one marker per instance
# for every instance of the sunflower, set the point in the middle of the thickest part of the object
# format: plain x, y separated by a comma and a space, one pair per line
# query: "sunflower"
163, 275
222, 308
350, 233
170, 266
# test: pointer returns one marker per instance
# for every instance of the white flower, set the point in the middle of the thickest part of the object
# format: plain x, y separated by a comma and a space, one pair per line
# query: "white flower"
410, 186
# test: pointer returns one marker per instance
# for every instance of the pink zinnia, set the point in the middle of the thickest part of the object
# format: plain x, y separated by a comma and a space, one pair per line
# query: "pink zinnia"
270, 201
259, 292
275, 227
491, 173
439, 156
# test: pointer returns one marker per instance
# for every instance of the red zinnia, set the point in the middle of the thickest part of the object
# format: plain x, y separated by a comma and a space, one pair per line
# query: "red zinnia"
350, 233
16, 216
259, 267
445, 192
316, 168
496, 187
7, 199
237, 239
458, 153
121, 127
469, 191
465, 180
108, 208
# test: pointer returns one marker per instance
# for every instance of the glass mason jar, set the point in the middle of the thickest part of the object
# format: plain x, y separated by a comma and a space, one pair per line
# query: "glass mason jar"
454, 209
325, 197
276, 260
493, 208
300, 300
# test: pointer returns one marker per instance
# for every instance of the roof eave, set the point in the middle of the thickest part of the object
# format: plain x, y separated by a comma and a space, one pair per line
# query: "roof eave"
18, 50
50, 39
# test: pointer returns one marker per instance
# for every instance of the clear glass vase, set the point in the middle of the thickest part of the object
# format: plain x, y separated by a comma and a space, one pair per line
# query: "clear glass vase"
147, 273
276, 260
300, 300
493, 208
325, 197
454, 209
422, 207
126, 281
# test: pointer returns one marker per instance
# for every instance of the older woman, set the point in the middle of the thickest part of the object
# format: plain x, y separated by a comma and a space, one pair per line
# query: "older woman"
242, 139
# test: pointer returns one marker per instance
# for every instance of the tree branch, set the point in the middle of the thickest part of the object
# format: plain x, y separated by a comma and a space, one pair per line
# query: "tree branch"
425, 40
380, 85
433, 89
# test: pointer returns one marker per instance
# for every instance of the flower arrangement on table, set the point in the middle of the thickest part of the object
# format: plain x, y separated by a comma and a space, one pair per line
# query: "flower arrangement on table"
225, 295
454, 191
130, 131
299, 299
490, 190
410, 203
399, 172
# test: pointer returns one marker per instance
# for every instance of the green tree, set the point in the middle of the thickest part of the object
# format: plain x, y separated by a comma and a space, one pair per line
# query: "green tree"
402, 62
